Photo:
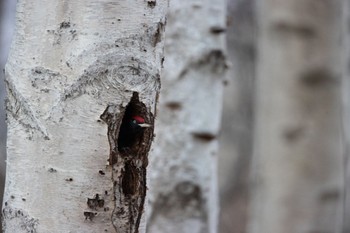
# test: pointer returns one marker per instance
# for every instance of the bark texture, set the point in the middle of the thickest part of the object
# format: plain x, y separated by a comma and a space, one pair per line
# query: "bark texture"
298, 161
183, 184
72, 62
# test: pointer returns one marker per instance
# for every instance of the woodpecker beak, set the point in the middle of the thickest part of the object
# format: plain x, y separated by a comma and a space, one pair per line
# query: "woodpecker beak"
144, 125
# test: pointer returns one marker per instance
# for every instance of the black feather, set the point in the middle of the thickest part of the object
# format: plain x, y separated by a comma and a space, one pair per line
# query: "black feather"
129, 134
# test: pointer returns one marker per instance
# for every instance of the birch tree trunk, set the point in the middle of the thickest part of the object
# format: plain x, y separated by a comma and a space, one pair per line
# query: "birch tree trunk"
72, 63
299, 148
346, 102
236, 138
183, 184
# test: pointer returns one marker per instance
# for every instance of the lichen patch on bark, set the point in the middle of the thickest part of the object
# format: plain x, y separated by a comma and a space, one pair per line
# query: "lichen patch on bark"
18, 217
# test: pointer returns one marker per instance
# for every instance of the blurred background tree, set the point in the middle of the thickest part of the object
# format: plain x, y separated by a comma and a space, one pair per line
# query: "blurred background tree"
183, 185
298, 161
7, 19
236, 139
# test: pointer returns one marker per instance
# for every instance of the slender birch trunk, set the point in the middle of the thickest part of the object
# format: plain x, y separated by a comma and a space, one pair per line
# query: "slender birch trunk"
346, 102
75, 69
183, 184
236, 138
298, 148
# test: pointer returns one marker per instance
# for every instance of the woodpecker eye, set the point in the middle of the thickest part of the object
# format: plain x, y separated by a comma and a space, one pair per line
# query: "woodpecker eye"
131, 129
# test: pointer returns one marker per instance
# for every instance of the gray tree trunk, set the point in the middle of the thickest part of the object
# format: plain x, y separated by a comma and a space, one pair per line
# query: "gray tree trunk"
76, 68
298, 161
7, 12
236, 137
346, 102
183, 184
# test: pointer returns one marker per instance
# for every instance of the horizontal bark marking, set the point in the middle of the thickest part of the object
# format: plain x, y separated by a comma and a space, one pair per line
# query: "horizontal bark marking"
299, 29
217, 29
318, 77
204, 136
175, 106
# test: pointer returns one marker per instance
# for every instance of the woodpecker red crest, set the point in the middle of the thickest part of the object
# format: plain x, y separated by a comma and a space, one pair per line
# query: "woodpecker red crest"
140, 122
138, 119
130, 131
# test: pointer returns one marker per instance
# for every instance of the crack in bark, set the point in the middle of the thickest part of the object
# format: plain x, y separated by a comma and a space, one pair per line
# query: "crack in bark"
129, 167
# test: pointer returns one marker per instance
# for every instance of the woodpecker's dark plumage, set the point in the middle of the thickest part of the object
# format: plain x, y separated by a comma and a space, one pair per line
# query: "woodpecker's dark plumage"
130, 131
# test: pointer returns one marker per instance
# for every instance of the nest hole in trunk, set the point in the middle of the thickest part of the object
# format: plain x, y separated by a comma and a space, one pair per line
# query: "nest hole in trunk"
131, 134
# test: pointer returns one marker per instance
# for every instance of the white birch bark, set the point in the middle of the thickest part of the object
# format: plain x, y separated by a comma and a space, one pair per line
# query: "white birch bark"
70, 63
183, 183
298, 141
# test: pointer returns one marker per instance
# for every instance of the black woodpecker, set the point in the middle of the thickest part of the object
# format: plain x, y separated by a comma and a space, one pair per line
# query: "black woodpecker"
130, 132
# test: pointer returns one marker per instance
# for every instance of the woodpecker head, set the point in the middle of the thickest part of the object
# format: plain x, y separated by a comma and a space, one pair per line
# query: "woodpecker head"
138, 120
131, 131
